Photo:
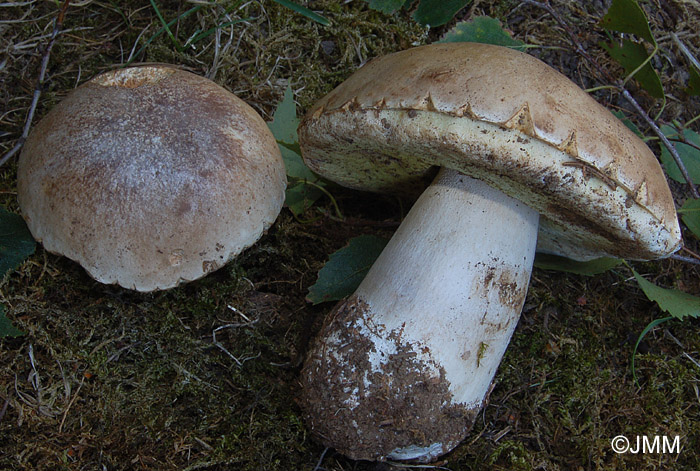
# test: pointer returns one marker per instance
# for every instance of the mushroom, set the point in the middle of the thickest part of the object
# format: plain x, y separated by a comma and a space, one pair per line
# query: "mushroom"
150, 176
527, 160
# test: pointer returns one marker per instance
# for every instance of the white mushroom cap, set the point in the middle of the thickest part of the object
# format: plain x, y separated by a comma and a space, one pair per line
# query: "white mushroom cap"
149, 177
508, 119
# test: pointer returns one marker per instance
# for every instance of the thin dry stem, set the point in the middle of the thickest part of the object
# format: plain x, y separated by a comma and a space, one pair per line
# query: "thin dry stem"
58, 25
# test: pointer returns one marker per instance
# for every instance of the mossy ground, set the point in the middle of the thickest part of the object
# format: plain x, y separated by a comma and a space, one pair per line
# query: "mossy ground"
205, 376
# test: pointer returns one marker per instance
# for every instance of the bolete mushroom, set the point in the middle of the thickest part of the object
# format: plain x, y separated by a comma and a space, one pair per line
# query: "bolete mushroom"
150, 176
528, 159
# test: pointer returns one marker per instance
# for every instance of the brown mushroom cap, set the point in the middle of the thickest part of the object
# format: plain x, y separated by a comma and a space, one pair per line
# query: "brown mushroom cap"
507, 118
149, 177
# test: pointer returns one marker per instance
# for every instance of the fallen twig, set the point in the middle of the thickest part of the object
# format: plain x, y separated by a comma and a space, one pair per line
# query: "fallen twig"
70, 404
671, 148
686, 52
58, 25
248, 323
685, 259
4, 409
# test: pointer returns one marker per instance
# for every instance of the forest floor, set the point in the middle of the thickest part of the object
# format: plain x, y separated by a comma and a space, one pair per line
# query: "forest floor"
104, 378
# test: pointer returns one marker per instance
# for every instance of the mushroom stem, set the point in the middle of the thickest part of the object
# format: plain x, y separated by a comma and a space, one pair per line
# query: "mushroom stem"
402, 367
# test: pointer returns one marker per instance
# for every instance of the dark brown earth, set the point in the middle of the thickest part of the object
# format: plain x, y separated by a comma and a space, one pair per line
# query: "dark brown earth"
404, 403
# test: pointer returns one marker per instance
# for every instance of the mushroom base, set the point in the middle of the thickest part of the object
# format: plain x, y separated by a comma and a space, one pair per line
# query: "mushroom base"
409, 404
401, 368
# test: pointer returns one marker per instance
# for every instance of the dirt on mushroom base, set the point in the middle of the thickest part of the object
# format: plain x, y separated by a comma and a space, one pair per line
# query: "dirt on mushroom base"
392, 413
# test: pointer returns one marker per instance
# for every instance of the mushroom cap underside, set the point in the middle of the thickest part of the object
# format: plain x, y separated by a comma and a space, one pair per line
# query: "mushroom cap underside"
149, 177
507, 118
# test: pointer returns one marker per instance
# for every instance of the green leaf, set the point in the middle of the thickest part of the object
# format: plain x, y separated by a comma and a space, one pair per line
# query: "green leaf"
646, 330
6, 327
590, 268
626, 16
385, 6
631, 55
304, 11
482, 29
16, 242
166, 25
301, 196
690, 156
429, 13
346, 269
693, 88
294, 164
676, 303
690, 214
162, 30
628, 122
437, 12
284, 122
205, 34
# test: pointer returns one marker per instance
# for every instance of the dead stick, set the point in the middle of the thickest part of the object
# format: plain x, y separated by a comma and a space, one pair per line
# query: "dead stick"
682, 258
686, 52
617, 84
671, 148
58, 25
4, 409
695, 256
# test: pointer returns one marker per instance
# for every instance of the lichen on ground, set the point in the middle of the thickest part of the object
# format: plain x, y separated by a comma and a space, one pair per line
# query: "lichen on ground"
205, 376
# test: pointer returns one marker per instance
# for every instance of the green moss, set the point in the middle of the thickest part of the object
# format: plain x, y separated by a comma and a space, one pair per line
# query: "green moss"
136, 381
